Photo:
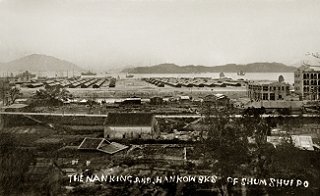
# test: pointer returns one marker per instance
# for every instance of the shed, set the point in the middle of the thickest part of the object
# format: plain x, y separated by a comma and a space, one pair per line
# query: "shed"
220, 99
131, 126
184, 99
132, 101
156, 100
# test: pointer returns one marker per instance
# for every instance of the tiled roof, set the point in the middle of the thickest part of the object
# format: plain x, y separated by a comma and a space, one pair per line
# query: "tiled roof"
102, 145
303, 142
112, 148
129, 119
264, 82
49, 140
90, 143
215, 96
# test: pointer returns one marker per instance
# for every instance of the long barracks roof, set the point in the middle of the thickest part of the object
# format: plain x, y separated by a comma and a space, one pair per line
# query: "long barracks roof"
266, 82
129, 119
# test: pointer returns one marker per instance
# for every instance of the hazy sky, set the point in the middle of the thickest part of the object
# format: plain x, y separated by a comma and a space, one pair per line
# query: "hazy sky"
106, 34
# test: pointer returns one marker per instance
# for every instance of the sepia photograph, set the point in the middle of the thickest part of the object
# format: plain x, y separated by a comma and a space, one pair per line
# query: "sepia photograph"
159, 97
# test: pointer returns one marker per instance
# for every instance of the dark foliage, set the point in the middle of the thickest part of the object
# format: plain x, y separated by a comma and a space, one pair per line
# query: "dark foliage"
14, 164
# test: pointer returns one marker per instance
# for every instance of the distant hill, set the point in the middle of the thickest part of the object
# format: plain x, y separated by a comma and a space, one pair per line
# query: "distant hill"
38, 62
172, 68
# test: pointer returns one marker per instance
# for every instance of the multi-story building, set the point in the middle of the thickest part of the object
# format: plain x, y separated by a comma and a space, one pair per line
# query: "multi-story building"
307, 82
268, 90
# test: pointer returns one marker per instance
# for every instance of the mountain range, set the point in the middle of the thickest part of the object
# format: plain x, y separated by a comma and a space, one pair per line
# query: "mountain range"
173, 68
38, 62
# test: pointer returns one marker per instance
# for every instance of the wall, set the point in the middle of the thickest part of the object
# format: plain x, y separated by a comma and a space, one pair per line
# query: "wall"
20, 120
129, 132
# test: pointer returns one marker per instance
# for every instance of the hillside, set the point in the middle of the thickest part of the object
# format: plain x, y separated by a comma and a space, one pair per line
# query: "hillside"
172, 68
37, 62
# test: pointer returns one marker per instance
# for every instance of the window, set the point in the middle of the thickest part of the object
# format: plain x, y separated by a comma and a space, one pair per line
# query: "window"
272, 96
265, 88
123, 136
265, 96
108, 136
139, 136
282, 88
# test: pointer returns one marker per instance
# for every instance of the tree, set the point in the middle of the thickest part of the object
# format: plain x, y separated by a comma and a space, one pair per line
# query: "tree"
315, 55
54, 95
225, 148
13, 94
91, 102
290, 162
4, 88
256, 129
14, 164
238, 146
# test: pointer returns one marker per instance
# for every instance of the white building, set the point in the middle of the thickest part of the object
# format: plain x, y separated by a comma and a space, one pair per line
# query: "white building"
307, 82
131, 126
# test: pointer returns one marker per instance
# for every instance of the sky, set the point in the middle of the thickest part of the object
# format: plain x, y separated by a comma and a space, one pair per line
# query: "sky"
109, 34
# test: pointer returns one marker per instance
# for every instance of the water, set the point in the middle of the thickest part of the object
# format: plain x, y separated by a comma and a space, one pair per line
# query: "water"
288, 76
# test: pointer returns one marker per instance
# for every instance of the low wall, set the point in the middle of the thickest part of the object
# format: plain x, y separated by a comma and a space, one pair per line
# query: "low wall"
21, 120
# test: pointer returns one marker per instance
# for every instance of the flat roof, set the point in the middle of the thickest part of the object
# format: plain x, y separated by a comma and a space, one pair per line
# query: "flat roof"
313, 68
